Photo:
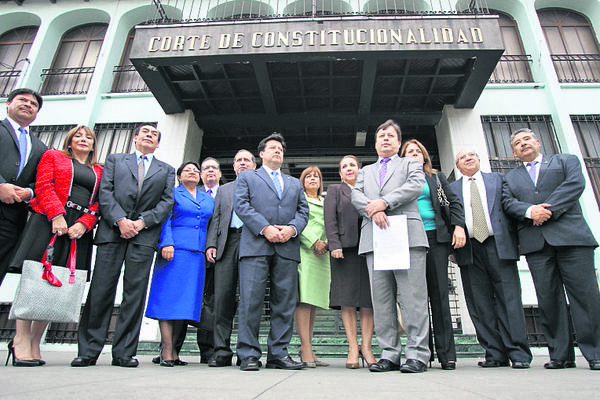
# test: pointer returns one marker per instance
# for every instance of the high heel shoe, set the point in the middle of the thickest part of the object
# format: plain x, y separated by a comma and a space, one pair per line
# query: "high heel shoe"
364, 359
306, 364
355, 365
17, 362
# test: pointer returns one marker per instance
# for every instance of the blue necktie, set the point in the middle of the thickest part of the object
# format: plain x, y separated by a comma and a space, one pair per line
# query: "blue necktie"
383, 169
531, 170
22, 148
274, 177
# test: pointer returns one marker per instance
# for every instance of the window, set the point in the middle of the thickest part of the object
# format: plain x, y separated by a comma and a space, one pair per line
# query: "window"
52, 136
75, 60
14, 49
498, 128
127, 78
114, 138
572, 45
587, 129
513, 66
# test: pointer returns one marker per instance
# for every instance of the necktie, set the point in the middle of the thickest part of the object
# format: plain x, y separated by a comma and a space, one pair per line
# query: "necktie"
22, 148
383, 169
531, 170
141, 172
209, 191
275, 178
480, 229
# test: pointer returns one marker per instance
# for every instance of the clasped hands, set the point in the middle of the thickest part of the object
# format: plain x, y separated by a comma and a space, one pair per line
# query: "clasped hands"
10, 193
375, 210
540, 213
130, 228
278, 233
75, 231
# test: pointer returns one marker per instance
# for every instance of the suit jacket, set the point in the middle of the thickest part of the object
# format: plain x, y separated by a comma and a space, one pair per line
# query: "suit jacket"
560, 183
9, 168
341, 218
402, 185
504, 228
256, 203
218, 229
118, 198
444, 229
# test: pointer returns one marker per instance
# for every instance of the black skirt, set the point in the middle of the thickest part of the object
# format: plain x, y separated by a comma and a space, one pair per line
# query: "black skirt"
350, 286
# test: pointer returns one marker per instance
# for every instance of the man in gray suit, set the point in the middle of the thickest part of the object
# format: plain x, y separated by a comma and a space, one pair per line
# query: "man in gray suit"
20, 153
542, 194
222, 249
274, 212
135, 198
488, 267
391, 187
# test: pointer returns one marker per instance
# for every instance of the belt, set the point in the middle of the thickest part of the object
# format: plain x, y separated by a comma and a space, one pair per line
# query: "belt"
77, 207
235, 230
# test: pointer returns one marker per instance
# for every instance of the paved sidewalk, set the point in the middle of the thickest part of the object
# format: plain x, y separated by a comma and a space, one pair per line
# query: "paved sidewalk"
57, 380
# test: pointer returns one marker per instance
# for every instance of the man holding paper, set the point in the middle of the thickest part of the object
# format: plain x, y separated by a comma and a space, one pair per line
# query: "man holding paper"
383, 192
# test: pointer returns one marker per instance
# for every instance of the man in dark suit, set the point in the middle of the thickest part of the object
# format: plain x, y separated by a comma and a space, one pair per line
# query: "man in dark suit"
391, 187
20, 153
222, 249
543, 195
274, 212
135, 198
488, 267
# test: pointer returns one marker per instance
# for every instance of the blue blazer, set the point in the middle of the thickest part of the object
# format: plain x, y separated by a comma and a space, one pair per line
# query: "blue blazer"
504, 228
185, 229
256, 203
560, 183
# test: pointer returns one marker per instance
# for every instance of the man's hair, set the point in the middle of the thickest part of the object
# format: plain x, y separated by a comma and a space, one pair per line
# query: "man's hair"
140, 126
527, 130
19, 91
393, 124
249, 152
272, 136
210, 159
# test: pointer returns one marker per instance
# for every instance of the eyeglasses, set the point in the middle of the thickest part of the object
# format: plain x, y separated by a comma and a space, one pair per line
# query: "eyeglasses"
207, 167
191, 171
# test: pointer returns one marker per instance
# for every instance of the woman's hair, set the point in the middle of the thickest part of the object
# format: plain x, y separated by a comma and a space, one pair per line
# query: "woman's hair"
185, 164
91, 158
427, 167
316, 170
348, 156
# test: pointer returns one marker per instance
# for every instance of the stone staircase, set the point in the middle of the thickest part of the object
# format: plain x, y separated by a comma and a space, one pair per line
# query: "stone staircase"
329, 339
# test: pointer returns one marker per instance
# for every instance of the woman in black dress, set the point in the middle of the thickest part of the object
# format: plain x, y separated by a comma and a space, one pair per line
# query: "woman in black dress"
66, 204
350, 288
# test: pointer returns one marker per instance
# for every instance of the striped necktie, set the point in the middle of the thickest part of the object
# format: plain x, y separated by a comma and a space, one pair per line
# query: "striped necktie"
480, 229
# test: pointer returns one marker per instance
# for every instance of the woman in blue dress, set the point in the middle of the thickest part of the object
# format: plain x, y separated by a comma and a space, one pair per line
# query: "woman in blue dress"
178, 278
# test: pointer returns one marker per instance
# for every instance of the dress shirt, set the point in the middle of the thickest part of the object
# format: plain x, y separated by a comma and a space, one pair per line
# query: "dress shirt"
147, 161
16, 127
213, 189
466, 187
537, 167
269, 171
379, 164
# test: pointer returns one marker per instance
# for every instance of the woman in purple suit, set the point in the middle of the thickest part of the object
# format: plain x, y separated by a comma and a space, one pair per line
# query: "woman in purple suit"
178, 279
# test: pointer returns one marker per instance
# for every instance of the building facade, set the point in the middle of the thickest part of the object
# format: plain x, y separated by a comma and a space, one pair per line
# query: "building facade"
219, 75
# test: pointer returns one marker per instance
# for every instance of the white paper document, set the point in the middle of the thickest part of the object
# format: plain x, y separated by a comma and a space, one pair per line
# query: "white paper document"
390, 246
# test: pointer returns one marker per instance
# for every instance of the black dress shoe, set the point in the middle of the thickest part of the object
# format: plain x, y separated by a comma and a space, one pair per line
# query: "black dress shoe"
384, 365
40, 361
83, 362
559, 364
595, 365
413, 366
156, 360
220, 361
492, 364
180, 362
127, 362
167, 363
284, 363
449, 366
250, 364
520, 365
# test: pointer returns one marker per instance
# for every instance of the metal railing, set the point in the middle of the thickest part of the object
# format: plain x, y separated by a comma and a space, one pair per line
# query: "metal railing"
512, 69
66, 80
128, 80
8, 81
577, 67
183, 11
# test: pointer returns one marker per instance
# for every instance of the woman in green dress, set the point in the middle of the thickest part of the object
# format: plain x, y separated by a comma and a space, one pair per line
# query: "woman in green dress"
313, 271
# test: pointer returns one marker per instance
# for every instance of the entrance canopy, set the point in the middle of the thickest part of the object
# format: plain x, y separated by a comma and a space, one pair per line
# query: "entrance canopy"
324, 82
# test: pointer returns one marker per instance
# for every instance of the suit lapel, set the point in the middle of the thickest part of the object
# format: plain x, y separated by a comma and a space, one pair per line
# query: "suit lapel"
490, 190
543, 167
131, 162
10, 131
264, 175
153, 169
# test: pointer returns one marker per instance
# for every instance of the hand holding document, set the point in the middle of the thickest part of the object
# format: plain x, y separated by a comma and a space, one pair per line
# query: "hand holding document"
390, 246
